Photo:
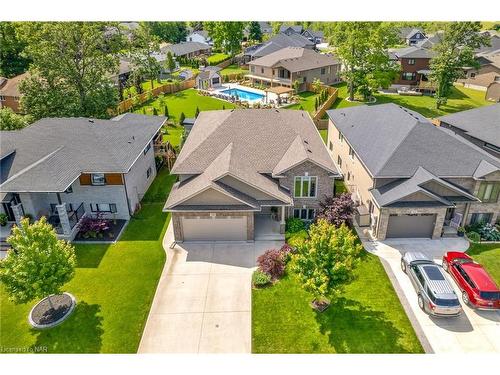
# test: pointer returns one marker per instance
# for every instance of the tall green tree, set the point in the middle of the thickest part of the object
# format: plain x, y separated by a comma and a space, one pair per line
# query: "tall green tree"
362, 47
326, 261
172, 32
453, 52
146, 47
170, 62
12, 121
227, 35
73, 63
13, 60
254, 32
39, 264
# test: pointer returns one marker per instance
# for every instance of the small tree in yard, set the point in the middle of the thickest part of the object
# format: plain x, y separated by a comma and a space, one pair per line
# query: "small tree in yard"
272, 263
182, 117
197, 112
38, 265
325, 262
296, 86
337, 210
166, 111
316, 84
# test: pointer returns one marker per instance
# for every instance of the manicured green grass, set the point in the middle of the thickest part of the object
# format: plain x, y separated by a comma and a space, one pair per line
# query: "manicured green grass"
307, 101
173, 135
233, 69
114, 286
367, 318
217, 58
146, 86
460, 99
184, 101
324, 135
489, 256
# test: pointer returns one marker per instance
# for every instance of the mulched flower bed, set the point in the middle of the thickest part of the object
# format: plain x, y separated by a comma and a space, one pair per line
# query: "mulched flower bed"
111, 234
43, 315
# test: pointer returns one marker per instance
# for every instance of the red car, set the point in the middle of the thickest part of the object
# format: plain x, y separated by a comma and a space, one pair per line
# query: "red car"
478, 288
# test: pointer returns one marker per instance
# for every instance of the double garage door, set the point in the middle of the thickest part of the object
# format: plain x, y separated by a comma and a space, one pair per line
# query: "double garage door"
411, 226
233, 228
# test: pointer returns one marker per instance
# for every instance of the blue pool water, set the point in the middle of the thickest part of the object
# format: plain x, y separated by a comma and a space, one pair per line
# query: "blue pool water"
243, 95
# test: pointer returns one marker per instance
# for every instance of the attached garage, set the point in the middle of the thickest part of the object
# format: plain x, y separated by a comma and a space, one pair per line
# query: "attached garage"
411, 226
214, 228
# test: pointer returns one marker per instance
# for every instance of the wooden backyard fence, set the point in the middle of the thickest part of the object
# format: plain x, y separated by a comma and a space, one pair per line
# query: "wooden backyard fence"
168, 88
321, 123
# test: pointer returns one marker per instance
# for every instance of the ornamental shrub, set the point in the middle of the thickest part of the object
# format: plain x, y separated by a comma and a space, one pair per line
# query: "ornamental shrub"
489, 232
272, 263
260, 279
474, 237
294, 225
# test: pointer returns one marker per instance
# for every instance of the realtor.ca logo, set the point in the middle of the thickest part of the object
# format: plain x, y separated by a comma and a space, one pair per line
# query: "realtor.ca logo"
24, 349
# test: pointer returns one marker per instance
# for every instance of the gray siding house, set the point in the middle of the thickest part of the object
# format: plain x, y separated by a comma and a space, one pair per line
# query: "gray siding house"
409, 177
243, 172
65, 168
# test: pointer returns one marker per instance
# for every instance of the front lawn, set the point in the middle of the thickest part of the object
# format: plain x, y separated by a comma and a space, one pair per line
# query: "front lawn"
114, 286
183, 101
489, 256
367, 318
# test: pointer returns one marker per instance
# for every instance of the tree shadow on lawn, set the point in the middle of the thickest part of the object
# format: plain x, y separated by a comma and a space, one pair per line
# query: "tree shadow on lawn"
90, 255
80, 333
353, 328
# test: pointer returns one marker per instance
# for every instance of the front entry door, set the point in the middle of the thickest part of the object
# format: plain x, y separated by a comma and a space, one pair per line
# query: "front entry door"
8, 211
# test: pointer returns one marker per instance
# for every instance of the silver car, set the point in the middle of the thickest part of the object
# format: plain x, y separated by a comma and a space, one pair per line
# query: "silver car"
435, 293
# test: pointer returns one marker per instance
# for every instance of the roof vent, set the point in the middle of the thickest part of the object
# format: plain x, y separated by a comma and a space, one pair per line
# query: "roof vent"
306, 142
308, 150
91, 120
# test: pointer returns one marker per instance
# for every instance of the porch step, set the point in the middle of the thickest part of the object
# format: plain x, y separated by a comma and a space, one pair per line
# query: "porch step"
270, 237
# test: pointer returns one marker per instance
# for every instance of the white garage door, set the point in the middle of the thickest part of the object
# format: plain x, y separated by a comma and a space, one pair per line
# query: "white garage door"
411, 226
215, 228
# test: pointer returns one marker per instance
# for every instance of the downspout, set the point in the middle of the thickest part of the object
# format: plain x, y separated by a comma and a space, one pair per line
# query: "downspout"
126, 195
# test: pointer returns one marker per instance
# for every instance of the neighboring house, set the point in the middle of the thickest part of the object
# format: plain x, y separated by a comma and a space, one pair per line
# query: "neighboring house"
276, 43
430, 41
413, 179
493, 91
291, 29
415, 67
65, 168
265, 28
314, 36
485, 77
411, 35
199, 36
186, 49
9, 92
287, 65
243, 172
480, 126
208, 78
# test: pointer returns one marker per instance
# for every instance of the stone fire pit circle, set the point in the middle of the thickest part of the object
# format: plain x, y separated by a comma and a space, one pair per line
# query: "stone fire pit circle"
43, 316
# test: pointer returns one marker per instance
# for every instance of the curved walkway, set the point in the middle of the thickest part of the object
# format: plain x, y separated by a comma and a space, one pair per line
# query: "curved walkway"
203, 300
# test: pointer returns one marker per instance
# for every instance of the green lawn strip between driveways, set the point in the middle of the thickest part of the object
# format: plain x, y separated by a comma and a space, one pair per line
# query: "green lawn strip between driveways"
367, 318
114, 287
488, 255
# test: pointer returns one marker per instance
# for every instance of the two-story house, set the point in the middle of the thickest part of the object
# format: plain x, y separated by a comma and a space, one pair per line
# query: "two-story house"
65, 168
10, 95
287, 65
413, 179
480, 126
277, 42
411, 35
243, 172
199, 36
415, 67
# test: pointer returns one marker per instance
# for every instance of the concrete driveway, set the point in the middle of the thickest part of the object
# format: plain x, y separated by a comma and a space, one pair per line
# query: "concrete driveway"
203, 300
474, 331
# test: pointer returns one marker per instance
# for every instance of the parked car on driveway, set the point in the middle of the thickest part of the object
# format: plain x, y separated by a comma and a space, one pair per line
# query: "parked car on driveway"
477, 286
434, 292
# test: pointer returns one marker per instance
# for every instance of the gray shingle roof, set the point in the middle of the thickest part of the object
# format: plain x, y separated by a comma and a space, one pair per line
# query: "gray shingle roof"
393, 192
393, 141
295, 28
248, 145
482, 123
52, 152
278, 42
295, 59
184, 48
414, 52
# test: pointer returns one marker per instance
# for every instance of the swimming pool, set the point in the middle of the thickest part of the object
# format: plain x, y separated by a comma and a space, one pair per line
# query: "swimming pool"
243, 94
